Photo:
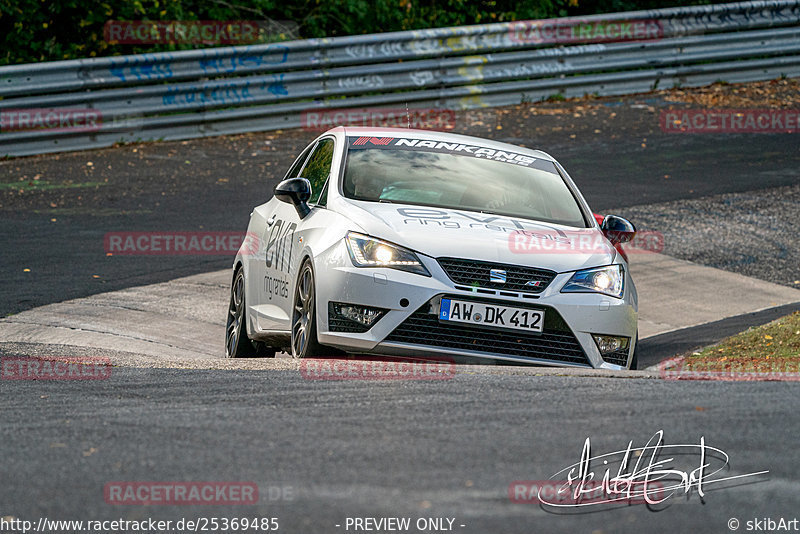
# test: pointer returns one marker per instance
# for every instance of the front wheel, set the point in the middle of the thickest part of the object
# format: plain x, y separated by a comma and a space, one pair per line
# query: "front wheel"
304, 320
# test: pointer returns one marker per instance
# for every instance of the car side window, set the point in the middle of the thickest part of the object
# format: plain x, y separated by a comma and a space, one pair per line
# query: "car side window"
323, 197
294, 171
318, 168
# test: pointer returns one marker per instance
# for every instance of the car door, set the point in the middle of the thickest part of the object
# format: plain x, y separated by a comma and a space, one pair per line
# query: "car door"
281, 248
272, 284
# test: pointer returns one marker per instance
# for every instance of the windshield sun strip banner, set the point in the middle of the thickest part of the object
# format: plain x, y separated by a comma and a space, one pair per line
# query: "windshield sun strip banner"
445, 147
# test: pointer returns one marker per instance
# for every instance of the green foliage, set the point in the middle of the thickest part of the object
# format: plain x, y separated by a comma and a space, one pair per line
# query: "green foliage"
49, 30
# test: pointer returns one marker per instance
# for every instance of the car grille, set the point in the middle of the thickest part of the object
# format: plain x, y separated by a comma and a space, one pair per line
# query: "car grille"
476, 273
618, 357
346, 325
556, 342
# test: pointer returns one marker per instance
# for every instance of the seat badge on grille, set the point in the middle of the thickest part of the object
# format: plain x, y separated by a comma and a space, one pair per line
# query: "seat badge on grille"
497, 276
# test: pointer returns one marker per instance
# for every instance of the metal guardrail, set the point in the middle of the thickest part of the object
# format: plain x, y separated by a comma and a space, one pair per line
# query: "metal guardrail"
215, 91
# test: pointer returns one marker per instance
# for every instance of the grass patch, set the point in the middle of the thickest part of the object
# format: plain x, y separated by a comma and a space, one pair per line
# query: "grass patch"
42, 185
769, 349
97, 212
556, 97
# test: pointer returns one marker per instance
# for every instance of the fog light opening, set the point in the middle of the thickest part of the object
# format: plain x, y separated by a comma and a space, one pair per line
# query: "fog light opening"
611, 344
365, 315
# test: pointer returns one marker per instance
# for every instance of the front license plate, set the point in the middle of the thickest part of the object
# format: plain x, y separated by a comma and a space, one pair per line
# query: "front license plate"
479, 313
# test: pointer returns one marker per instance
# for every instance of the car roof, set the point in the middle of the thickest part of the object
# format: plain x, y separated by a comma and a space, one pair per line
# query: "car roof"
433, 135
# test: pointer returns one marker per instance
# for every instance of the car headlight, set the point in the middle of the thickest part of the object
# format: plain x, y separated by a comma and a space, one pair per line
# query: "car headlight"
367, 251
608, 280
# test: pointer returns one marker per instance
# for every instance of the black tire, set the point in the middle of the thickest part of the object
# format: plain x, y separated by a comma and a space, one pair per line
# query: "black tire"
635, 359
304, 317
237, 344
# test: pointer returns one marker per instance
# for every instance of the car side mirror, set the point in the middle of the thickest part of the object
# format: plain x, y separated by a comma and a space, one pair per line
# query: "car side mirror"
617, 230
295, 191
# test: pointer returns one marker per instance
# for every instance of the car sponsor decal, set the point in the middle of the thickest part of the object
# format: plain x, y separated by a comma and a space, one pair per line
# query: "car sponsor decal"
444, 147
455, 220
378, 141
278, 252
276, 287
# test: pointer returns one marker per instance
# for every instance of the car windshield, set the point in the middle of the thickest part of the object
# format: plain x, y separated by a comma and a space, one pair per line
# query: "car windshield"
453, 175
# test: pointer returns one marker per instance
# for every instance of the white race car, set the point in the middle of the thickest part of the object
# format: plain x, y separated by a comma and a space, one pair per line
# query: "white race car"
431, 245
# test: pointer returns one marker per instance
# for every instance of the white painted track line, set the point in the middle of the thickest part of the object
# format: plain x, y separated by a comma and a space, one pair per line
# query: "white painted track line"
676, 294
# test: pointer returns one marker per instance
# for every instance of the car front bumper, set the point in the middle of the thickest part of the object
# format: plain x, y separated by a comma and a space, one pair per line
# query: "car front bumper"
410, 325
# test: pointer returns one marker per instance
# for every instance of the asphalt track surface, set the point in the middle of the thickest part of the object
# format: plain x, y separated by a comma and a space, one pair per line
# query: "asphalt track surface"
413, 449
55, 209
444, 448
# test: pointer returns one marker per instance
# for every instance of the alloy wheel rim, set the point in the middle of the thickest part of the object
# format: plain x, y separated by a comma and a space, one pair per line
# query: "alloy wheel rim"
234, 327
303, 312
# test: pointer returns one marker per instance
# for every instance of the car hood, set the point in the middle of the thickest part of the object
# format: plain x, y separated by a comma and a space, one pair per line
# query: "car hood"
440, 232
